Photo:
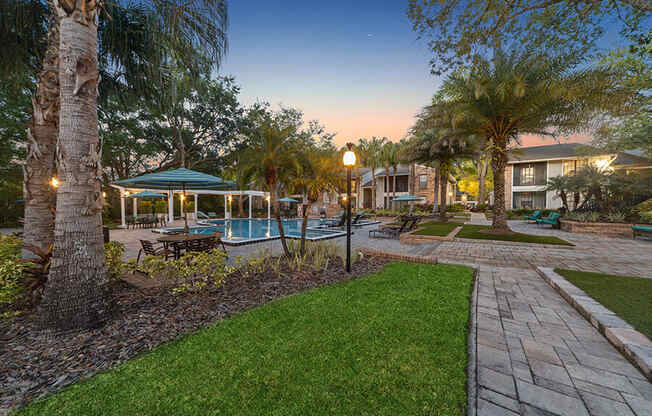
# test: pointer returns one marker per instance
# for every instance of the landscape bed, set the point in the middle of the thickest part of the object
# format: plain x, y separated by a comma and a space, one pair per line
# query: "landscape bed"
382, 344
479, 232
437, 228
627, 296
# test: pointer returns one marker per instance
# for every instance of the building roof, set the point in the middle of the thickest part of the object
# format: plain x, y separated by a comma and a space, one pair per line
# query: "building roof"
553, 151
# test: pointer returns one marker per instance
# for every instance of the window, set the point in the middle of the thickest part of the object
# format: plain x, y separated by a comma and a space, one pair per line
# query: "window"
568, 167
401, 183
423, 182
527, 174
529, 200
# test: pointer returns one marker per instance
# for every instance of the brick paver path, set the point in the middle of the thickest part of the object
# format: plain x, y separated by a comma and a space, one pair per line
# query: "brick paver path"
478, 218
537, 356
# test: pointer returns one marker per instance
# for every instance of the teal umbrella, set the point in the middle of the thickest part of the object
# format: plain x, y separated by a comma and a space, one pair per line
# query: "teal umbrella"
146, 194
286, 199
176, 179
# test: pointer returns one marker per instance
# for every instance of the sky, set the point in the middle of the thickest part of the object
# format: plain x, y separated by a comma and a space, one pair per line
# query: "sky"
356, 66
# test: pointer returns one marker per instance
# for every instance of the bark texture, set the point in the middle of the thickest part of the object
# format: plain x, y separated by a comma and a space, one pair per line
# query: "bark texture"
498, 162
279, 221
435, 200
40, 197
443, 185
75, 296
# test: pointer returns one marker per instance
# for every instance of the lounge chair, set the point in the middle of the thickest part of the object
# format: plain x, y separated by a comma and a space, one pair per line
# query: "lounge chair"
552, 219
641, 230
391, 232
202, 215
149, 249
536, 215
212, 215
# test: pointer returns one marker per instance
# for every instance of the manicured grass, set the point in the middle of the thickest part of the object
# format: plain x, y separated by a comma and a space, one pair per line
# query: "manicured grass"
388, 344
479, 232
437, 228
627, 296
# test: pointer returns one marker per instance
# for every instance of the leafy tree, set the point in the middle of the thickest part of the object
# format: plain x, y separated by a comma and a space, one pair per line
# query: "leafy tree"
560, 185
469, 179
524, 92
461, 32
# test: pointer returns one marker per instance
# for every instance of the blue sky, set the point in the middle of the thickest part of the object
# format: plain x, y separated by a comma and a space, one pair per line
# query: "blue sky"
356, 66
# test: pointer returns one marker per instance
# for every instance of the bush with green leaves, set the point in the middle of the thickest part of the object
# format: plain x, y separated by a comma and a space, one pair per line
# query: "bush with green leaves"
193, 271
113, 252
644, 210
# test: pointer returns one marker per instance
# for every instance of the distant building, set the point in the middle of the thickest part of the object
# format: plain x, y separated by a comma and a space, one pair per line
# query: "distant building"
528, 170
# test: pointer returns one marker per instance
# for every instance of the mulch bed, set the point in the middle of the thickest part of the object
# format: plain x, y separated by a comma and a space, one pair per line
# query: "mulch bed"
33, 364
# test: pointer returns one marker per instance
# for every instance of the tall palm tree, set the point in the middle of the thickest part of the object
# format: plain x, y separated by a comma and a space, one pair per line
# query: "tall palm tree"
442, 147
372, 159
526, 92
389, 157
319, 171
75, 296
272, 158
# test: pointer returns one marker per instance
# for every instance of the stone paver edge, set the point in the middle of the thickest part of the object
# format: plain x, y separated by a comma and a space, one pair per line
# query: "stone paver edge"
399, 256
471, 369
511, 243
631, 343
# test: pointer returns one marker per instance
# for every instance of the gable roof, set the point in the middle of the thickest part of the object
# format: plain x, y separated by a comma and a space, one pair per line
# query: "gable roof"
549, 152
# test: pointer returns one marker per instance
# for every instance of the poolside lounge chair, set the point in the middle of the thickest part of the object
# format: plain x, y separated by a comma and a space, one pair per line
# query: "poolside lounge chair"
642, 230
391, 232
202, 215
552, 219
212, 215
149, 249
536, 215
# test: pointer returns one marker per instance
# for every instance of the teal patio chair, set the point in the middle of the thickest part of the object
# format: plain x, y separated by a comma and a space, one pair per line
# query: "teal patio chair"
552, 219
536, 215
640, 230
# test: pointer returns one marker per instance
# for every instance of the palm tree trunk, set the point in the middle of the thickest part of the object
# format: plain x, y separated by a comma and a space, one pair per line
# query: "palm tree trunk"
277, 213
482, 180
498, 162
304, 228
394, 188
373, 189
443, 184
75, 295
358, 186
40, 198
436, 198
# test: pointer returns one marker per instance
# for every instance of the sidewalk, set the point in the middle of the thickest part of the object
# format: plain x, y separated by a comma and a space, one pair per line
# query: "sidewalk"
478, 218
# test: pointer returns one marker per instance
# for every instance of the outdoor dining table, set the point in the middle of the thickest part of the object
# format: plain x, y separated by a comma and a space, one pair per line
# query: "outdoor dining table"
180, 241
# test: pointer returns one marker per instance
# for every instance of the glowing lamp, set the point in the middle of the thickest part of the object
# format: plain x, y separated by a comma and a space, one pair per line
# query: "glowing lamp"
349, 158
103, 194
54, 182
126, 193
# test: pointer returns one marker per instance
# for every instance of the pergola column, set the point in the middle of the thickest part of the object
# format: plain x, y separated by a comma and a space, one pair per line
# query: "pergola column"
196, 209
122, 209
225, 208
269, 205
134, 205
250, 198
170, 206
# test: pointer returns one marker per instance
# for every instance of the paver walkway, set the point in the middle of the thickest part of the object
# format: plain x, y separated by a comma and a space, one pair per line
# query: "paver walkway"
537, 356
478, 218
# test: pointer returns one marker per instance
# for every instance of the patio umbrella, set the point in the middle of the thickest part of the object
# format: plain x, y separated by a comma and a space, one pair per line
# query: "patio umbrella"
146, 194
410, 199
176, 179
287, 199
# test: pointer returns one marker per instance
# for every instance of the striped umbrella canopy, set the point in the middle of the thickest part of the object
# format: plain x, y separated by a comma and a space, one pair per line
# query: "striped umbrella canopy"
408, 198
287, 199
176, 179
146, 194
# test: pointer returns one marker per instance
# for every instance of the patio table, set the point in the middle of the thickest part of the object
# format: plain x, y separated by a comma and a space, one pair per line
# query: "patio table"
180, 241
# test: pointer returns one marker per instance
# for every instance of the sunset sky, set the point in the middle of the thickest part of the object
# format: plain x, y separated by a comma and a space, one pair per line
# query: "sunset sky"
356, 66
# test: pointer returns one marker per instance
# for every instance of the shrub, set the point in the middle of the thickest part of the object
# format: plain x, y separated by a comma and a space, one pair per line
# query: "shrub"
616, 216
113, 252
193, 271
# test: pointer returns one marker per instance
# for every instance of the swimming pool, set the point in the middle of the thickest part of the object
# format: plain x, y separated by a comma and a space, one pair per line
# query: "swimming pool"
244, 230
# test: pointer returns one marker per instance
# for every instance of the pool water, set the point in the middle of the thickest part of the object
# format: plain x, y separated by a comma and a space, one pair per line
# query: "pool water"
241, 230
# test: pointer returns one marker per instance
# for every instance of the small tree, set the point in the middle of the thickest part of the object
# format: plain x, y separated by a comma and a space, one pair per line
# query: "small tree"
561, 186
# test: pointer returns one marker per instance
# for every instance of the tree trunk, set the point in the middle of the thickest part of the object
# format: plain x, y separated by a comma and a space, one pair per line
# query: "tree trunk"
304, 227
40, 198
277, 213
75, 295
498, 162
482, 180
373, 189
443, 184
182, 148
358, 186
435, 199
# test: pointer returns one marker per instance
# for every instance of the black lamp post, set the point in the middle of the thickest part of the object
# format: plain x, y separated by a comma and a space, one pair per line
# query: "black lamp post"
349, 162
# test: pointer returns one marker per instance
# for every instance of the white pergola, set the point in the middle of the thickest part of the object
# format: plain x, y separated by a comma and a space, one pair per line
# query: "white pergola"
126, 191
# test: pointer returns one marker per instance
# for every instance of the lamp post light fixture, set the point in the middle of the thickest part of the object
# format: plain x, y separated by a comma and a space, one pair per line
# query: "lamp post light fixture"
349, 162
54, 182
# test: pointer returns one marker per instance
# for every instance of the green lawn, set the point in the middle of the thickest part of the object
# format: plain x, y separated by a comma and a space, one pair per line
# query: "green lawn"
437, 228
479, 232
392, 343
629, 297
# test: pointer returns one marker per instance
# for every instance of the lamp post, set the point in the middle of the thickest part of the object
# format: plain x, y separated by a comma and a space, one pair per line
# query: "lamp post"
349, 162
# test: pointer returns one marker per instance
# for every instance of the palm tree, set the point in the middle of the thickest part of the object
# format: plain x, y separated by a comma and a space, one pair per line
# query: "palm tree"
525, 92
559, 185
74, 296
442, 147
372, 159
272, 158
389, 158
319, 171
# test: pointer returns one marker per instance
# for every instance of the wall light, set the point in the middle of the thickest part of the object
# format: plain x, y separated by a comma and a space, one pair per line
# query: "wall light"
103, 194
182, 196
126, 193
54, 182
